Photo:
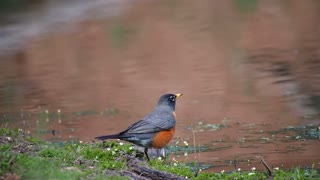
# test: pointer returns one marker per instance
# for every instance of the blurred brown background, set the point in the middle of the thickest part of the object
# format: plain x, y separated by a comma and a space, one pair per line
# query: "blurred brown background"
248, 67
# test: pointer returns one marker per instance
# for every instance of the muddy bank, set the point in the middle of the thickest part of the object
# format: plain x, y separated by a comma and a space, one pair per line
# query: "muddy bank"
26, 157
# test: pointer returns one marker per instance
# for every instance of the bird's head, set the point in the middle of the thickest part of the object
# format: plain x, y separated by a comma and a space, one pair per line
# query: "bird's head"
168, 100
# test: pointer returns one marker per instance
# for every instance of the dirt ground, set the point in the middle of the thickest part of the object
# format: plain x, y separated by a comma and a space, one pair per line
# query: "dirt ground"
254, 70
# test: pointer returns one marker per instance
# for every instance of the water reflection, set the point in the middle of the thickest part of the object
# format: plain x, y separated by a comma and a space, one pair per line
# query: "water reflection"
245, 95
23, 20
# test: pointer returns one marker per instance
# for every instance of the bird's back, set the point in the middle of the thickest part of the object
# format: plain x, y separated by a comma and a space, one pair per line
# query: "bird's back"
161, 118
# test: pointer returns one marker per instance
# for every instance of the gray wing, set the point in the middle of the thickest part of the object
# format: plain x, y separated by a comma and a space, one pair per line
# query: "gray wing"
163, 120
152, 123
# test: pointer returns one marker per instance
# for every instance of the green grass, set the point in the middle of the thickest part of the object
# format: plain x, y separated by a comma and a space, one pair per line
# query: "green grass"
64, 160
31, 158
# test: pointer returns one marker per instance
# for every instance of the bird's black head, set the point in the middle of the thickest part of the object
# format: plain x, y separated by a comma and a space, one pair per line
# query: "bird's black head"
168, 100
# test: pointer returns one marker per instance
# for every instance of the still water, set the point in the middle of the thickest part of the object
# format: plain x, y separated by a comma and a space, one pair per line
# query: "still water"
88, 76
20, 24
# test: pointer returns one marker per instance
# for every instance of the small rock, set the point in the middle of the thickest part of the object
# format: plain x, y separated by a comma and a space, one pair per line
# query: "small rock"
9, 139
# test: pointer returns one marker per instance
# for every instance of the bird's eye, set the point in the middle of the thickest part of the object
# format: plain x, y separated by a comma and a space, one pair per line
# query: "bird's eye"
172, 98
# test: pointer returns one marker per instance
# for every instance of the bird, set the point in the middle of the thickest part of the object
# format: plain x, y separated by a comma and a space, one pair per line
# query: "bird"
155, 130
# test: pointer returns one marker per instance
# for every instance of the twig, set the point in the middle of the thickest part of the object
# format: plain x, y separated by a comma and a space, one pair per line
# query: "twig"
265, 165
197, 169
194, 141
138, 171
11, 160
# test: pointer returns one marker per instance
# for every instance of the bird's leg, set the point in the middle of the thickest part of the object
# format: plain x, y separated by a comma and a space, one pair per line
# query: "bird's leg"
146, 153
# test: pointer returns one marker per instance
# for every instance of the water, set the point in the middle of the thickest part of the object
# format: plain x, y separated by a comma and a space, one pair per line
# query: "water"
51, 15
244, 96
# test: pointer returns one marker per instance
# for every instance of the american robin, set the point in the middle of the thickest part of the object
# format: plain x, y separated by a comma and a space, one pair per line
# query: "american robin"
155, 130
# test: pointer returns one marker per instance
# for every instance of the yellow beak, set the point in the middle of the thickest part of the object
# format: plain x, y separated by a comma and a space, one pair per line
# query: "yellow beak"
178, 95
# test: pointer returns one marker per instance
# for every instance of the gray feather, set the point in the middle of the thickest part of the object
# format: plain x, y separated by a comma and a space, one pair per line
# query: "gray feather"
154, 122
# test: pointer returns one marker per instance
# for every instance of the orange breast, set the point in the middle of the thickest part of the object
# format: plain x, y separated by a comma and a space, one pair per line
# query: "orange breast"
162, 138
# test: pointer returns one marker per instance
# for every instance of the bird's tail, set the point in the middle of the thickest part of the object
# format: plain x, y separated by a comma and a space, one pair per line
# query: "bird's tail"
114, 136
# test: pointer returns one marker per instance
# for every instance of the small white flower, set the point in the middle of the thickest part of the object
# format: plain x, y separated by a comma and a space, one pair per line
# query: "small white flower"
175, 164
276, 168
47, 111
108, 149
239, 169
121, 143
159, 158
253, 168
186, 143
80, 142
252, 173
113, 153
200, 170
185, 154
59, 111
131, 147
174, 159
222, 171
